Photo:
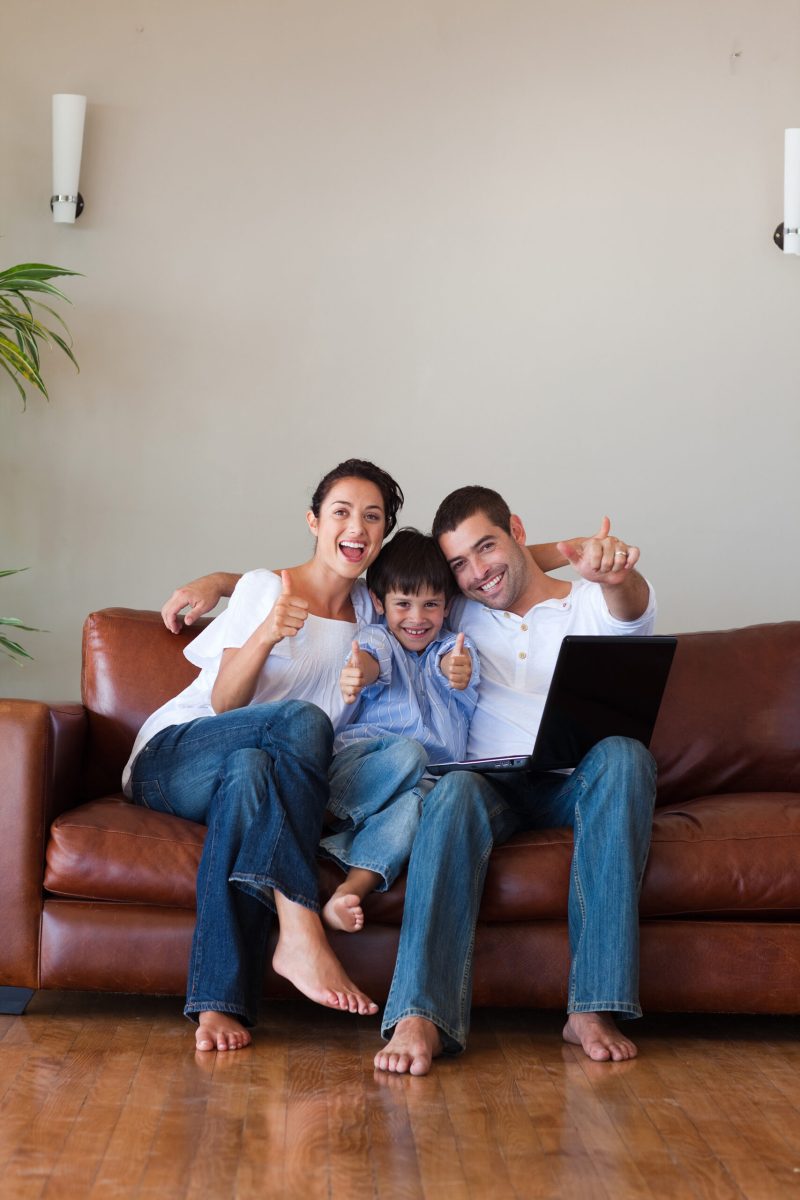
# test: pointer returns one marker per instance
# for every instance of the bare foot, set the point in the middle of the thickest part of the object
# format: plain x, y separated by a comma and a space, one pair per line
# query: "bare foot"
344, 911
411, 1049
221, 1031
306, 960
599, 1037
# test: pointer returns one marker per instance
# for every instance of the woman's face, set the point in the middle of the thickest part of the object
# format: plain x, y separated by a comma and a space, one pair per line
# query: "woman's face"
350, 526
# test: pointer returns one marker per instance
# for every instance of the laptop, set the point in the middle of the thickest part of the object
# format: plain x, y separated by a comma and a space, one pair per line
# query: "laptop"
602, 686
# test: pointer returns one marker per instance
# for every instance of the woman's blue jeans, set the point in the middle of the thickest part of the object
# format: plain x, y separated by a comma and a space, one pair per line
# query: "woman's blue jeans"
607, 801
258, 778
376, 802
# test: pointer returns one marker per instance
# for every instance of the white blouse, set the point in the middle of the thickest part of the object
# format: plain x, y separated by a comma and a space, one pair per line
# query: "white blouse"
305, 667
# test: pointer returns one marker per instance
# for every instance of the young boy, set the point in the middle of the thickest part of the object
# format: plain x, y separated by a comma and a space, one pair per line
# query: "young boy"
416, 685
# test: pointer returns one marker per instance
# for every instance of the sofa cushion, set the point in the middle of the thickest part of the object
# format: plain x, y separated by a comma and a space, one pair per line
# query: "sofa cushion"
719, 855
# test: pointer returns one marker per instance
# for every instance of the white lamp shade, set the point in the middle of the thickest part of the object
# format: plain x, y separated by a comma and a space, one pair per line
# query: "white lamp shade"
68, 116
791, 193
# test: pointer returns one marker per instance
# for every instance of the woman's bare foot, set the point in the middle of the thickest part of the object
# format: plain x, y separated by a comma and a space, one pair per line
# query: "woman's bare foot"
304, 957
343, 911
220, 1031
599, 1037
411, 1049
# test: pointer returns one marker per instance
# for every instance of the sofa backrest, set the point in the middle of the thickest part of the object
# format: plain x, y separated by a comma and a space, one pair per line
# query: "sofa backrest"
730, 718
132, 665
729, 722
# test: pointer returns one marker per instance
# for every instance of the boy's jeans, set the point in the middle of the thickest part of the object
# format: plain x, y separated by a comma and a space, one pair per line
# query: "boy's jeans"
258, 777
608, 801
376, 798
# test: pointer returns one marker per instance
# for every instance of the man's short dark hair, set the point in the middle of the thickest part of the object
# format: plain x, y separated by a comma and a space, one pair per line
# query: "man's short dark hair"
464, 503
408, 563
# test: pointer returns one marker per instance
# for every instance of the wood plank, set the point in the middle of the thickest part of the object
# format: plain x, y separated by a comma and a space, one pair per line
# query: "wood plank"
129, 1149
392, 1149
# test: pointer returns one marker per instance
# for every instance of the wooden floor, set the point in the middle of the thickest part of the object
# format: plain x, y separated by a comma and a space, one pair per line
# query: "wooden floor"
103, 1097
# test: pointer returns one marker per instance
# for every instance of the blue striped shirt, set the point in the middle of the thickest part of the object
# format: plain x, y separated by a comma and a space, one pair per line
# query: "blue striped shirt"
411, 697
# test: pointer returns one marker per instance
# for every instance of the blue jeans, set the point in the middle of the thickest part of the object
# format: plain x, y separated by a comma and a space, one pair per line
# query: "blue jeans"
608, 802
376, 801
258, 778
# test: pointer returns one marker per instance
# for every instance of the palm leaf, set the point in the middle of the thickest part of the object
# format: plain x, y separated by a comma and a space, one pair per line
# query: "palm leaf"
18, 287
13, 649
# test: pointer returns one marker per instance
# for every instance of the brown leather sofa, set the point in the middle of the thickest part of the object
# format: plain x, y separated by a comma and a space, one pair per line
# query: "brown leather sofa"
98, 894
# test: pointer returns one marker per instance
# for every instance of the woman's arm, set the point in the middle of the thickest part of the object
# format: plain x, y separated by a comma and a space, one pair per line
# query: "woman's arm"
547, 555
240, 666
201, 595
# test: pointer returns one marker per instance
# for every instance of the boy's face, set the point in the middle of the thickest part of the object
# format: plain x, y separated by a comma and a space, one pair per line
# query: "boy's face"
415, 620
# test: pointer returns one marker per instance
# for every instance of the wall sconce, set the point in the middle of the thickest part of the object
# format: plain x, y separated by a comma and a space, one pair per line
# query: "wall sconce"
66, 203
787, 235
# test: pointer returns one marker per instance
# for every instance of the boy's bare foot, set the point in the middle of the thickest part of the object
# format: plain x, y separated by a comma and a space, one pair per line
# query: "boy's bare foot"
304, 957
599, 1037
220, 1031
343, 911
411, 1049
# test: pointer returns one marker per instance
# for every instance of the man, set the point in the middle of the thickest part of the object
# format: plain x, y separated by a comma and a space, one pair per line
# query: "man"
517, 616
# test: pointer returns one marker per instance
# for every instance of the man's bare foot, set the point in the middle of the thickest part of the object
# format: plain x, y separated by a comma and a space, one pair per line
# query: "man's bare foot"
599, 1037
220, 1031
344, 911
411, 1049
306, 960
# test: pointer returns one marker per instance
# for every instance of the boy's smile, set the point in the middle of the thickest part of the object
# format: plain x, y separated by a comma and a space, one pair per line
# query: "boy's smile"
415, 620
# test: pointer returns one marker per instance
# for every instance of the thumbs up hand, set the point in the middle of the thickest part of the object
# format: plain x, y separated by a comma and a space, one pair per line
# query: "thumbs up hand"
288, 615
352, 680
457, 665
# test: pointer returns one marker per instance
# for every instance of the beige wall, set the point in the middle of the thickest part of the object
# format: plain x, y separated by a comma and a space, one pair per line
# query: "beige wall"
518, 242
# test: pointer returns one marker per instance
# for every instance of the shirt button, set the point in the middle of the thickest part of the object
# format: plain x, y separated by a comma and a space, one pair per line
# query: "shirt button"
524, 628
506, 615
522, 654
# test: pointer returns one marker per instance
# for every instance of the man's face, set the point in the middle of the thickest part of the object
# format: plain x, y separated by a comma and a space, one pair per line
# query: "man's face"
490, 565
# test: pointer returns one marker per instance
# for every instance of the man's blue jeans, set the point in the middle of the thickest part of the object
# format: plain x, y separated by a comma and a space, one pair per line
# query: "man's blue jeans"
376, 802
608, 802
258, 778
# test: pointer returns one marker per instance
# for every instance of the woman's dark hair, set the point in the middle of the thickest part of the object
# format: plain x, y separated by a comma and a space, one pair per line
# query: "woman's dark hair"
408, 563
358, 468
464, 503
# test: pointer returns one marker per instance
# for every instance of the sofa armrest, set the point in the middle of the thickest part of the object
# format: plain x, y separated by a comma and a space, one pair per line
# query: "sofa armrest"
41, 755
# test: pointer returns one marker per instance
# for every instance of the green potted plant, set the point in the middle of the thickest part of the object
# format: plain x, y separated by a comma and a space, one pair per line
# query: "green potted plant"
21, 334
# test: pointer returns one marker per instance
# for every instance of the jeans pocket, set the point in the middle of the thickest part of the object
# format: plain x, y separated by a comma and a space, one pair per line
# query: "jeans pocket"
148, 794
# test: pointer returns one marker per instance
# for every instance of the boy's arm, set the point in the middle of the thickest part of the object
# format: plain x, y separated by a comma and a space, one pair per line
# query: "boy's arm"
456, 665
360, 670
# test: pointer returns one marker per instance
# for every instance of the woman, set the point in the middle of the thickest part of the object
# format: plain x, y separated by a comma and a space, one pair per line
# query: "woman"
244, 751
